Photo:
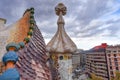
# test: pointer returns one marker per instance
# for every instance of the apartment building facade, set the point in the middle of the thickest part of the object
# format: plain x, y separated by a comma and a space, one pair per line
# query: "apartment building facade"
113, 59
96, 61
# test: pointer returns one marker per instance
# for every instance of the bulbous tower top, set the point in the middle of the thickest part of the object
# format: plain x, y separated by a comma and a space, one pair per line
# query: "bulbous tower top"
60, 9
61, 42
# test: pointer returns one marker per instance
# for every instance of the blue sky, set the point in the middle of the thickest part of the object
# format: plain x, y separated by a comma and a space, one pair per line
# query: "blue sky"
87, 22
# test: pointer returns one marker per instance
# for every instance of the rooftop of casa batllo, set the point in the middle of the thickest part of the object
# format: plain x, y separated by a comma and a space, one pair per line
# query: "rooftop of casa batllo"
26, 38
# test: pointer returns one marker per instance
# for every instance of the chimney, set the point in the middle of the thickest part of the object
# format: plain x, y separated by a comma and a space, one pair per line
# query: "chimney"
2, 22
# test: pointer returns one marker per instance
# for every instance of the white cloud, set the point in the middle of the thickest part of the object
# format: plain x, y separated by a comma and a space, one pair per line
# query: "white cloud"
91, 23
88, 23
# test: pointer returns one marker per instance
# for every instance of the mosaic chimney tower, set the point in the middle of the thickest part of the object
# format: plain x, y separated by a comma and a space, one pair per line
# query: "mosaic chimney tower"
61, 48
32, 60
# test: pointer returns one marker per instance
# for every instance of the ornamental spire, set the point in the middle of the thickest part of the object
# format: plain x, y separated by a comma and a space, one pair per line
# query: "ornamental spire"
60, 10
61, 42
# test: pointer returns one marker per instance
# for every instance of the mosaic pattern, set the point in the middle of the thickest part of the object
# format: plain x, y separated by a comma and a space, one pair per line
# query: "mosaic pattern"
61, 48
65, 69
32, 58
14, 33
62, 66
19, 30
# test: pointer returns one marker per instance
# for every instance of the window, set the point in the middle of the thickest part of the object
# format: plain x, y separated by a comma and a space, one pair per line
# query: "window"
108, 51
110, 61
110, 67
61, 57
109, 55
111, 72
118, 50
115, 59
117, 68
116, 64
114, 55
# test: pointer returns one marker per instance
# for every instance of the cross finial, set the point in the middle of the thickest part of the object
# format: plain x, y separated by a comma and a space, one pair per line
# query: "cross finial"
60, 8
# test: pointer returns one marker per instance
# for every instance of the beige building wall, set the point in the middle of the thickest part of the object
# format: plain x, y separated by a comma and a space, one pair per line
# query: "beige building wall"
113, 58
96, 63
75, 60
